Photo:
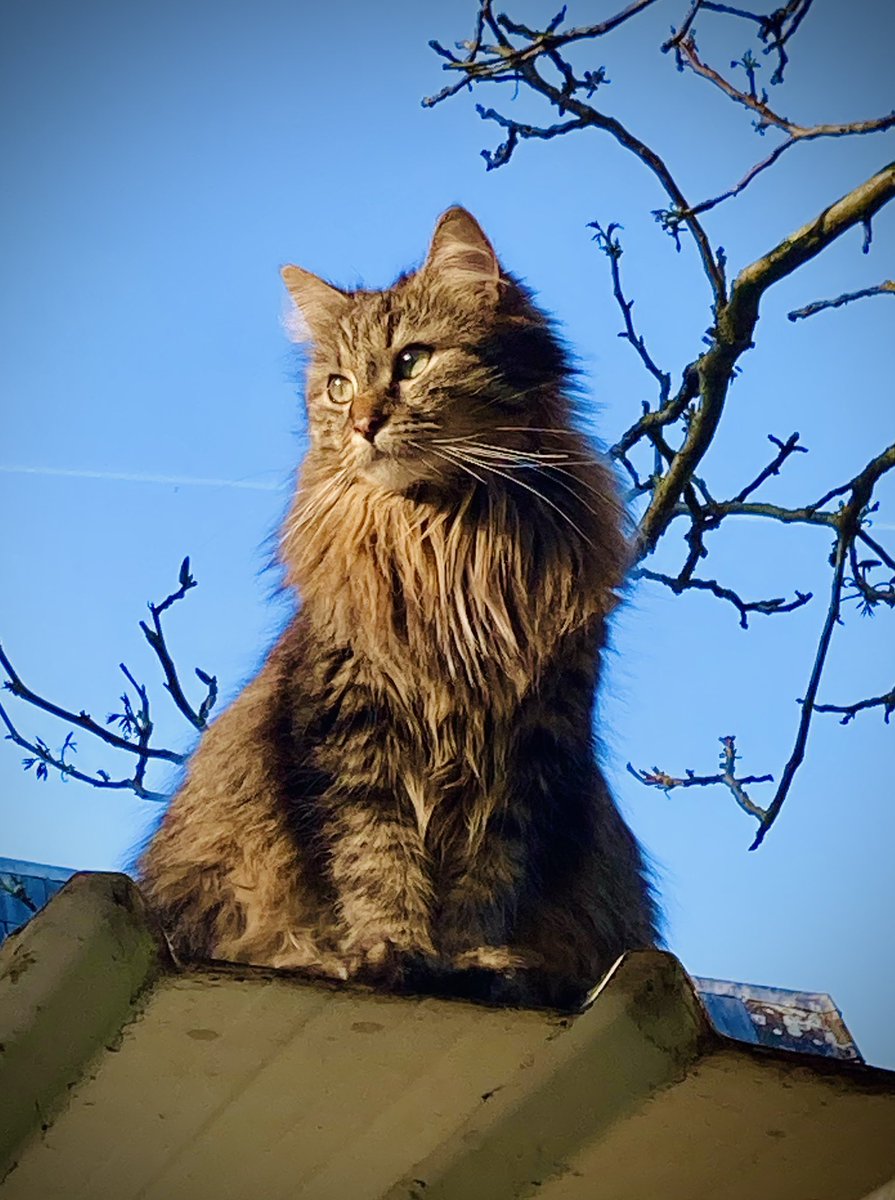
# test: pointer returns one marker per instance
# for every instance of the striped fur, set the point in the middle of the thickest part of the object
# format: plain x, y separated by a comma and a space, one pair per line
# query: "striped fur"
408, 793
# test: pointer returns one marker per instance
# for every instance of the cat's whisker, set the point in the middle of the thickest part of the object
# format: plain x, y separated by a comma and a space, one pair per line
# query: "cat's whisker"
518, 463
474, 441
572, 491
544, 468
520, 458
530, 458
534, 460
461, 461
585, 483
503, 451
570, 434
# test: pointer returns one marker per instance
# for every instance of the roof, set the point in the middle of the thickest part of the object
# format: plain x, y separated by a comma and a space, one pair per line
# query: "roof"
126, 1076
24, 888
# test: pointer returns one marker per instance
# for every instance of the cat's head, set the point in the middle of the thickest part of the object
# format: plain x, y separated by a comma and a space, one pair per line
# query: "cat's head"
443, 369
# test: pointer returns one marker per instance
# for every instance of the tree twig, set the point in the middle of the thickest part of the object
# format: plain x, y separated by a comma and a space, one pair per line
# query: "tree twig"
887, 287
726, 776
43, 756
768, 117
784, 451
744, 607
848, 526
82, 719
134, 721
886, 702
156, 639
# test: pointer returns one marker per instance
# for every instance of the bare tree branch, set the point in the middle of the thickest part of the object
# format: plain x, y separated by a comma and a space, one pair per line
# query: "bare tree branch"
156, 638
82, 720
611, 247
887, 287
726, 776
784, 451
733, 332
885, 702
42, 757
503, 61
764, 607
752, 173
767, 116
134, 721
848, 525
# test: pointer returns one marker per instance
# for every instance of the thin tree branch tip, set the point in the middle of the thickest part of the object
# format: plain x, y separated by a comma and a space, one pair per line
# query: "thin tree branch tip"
726, 776
887, 287
848, 528
134, 721
516, 130
485, 61
886, 702
785, 450
43, 759
185, 581
611, 246
767, 608
686, 49
155, 636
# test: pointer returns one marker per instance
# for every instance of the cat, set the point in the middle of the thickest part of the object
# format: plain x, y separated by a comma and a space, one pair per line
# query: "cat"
408, 792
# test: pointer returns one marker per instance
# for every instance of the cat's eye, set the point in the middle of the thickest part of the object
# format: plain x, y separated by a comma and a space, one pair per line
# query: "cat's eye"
412, 361
340, 389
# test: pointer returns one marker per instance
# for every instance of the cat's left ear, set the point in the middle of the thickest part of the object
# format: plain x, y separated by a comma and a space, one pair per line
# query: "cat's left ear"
461, 256
319, 303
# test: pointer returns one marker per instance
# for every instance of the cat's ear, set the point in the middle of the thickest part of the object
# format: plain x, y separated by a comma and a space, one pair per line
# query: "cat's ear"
460, 255
318, 302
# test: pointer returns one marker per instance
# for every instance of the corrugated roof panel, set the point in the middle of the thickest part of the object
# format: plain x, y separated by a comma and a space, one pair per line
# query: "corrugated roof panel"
226, 1083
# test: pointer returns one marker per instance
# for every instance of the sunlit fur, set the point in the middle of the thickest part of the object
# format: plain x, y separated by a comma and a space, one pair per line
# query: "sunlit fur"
408, 792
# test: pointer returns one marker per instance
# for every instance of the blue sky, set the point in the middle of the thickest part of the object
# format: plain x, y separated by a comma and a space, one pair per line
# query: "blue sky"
162, 163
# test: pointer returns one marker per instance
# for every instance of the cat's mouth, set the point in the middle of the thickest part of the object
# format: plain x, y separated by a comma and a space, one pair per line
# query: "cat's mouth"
394, 465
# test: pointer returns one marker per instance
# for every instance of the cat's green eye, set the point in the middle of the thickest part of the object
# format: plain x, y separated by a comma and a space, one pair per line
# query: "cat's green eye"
412, 361
340, 390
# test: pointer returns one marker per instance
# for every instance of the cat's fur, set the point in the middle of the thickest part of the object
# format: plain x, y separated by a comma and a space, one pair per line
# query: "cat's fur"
408, 792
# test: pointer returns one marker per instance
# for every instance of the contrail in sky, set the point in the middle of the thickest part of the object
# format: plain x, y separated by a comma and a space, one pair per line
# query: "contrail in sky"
137, 477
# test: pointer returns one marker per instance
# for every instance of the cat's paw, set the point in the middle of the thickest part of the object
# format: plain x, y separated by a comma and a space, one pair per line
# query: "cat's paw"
491, 975
383, 961
495, 958
303, 954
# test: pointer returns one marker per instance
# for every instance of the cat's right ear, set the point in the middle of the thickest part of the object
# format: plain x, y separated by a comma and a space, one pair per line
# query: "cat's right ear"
319, 303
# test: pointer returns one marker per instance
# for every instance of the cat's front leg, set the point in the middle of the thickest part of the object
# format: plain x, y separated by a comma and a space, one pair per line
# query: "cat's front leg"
478, 914
384, 894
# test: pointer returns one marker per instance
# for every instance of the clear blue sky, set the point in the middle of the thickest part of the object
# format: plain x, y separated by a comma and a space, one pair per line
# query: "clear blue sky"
161, 163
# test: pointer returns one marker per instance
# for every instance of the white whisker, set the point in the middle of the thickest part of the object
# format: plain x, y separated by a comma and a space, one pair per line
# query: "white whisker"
509, 452
461, 461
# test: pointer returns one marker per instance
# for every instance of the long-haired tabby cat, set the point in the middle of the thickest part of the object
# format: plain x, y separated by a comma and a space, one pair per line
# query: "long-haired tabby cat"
408, 792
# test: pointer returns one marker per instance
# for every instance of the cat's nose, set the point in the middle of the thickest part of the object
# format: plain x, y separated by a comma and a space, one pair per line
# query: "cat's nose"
368, 424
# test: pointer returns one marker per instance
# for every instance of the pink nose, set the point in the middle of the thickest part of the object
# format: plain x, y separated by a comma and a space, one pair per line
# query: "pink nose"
367, 425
